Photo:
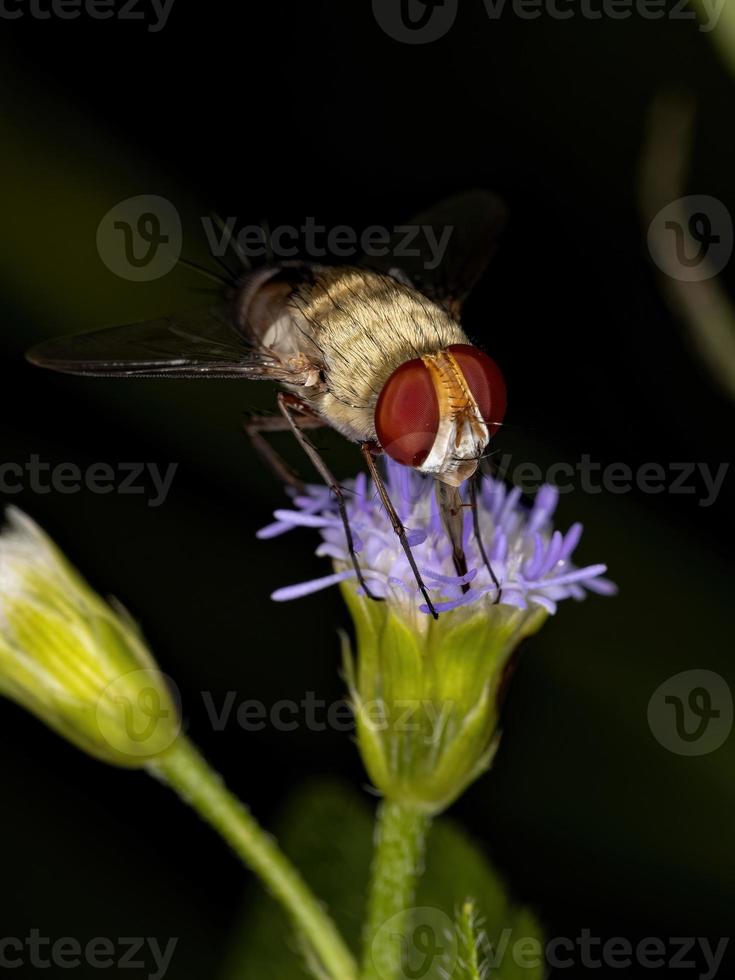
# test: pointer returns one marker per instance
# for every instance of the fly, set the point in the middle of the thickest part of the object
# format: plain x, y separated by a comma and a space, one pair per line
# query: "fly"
374, 351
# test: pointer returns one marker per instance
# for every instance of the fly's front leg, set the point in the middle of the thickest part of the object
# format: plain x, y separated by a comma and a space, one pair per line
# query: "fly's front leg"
256, 425
396, 522
478, 536
296, 412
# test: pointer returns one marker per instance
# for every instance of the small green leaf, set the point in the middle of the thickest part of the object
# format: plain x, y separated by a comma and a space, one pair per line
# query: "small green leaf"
457, 875
470, 937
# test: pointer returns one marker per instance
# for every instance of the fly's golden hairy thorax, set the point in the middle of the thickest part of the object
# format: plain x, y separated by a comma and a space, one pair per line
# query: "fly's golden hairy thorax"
364, 325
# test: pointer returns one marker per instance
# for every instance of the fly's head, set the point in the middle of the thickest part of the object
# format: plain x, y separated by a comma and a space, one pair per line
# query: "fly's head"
437, 413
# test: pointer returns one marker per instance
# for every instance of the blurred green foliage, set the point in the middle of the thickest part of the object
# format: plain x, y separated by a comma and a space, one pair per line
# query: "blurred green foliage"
327, 830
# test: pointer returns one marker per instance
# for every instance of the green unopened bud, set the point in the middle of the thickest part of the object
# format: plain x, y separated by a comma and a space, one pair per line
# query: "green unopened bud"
427, 701
78, 664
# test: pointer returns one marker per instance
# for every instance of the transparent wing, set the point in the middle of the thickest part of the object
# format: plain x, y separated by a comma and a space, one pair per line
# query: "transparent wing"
445, 249
187, 345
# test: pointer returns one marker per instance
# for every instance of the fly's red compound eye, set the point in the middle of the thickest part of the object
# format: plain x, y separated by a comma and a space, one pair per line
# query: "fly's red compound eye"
407, 414
484, 381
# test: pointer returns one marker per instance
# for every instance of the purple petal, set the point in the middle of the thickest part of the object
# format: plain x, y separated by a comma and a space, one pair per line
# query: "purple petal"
552, 553
289, 592
543, 507
463, 600
450, 579
578, 575
298, 518
513, 597
532, 567
328, 549
272, 530
499, 549
571, 540
602, 586
415, 537
393, 580
312, 504
548, 604
511, 502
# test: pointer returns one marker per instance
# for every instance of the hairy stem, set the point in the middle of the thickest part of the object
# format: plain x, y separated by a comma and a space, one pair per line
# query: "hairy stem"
184, 769
401, 832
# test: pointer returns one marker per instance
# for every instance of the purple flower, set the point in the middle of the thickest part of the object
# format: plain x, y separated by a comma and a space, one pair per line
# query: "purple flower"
450, 670
531, 560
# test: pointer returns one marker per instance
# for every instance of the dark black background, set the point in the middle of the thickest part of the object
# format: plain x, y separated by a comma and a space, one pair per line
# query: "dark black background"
294, 110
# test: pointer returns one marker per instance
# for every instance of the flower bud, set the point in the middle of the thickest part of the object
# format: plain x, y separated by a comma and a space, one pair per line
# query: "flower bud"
427, 702
73, 660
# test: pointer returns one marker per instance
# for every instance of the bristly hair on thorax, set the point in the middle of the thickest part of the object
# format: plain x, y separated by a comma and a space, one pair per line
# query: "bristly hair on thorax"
365, 325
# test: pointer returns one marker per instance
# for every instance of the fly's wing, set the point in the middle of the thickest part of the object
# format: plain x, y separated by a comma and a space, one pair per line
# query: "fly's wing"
188, 345
444, 250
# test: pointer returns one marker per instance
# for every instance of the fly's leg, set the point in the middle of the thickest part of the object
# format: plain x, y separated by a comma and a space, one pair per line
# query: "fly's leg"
256, 425
396, 522
478, 536
295, 412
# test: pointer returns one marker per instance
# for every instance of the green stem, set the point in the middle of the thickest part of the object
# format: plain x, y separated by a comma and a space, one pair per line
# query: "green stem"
399, 851
184, 769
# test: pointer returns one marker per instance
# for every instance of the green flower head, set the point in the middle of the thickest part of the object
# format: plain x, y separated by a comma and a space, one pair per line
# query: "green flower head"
72, 659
